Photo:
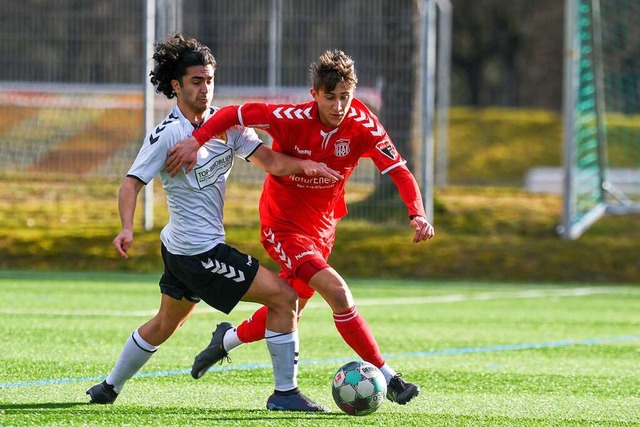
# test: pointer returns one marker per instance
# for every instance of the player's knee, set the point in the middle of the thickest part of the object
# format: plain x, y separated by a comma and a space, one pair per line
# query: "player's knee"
282, 298
339, 297
288, 297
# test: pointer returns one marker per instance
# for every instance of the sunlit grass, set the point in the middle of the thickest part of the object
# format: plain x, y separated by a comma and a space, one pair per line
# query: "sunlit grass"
484, 354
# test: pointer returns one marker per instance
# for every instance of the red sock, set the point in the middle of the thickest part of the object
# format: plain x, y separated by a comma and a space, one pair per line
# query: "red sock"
357, 334
253, 328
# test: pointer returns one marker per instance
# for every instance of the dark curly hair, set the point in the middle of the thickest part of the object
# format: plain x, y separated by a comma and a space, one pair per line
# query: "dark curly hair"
332, 67
173, 56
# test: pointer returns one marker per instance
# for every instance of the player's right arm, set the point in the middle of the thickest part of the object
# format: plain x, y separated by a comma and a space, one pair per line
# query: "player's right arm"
127, 199
253, 115
147, 164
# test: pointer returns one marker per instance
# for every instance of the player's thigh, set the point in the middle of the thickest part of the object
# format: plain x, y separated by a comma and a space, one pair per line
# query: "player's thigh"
269, 289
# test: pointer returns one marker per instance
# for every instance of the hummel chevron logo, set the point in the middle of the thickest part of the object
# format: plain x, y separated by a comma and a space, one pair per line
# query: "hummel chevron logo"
362, 117
378, 132
223, 269
367, 122
163, 125
271, 238
153, 139
290, 112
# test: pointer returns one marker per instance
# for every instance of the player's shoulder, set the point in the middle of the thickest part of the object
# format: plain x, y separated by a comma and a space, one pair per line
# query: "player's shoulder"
169, 127
361, 118
360, 106
235, 134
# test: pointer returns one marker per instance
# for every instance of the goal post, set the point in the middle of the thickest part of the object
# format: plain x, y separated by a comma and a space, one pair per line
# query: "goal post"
601, 112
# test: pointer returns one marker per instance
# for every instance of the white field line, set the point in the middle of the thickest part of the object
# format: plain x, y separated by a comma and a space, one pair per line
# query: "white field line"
319, 303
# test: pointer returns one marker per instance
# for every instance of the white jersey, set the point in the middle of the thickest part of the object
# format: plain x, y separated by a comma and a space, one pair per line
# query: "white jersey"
196, 200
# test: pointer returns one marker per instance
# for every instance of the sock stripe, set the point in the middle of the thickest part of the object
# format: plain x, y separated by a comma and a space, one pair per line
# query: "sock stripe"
348, 315
277, 335
133, 337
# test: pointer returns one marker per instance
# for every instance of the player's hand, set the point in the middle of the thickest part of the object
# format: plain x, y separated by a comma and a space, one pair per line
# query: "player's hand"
122, 242
184, 153
312, 168
424, 230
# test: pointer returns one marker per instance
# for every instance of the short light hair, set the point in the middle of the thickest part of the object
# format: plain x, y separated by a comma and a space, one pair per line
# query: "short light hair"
332, 67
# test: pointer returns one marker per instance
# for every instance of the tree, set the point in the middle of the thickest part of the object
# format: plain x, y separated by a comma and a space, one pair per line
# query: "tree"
508, 52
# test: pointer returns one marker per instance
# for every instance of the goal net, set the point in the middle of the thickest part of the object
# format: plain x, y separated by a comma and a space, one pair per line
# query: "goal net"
601, 112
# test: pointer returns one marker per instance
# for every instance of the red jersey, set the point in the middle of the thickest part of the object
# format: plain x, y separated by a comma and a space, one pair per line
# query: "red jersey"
301, 203
314, 205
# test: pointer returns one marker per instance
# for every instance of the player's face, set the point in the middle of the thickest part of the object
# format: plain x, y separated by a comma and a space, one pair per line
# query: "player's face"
196, 92
333, 105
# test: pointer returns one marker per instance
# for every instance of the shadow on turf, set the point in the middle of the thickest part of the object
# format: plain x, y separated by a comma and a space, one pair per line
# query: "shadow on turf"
52, 405
263, 414
216, 415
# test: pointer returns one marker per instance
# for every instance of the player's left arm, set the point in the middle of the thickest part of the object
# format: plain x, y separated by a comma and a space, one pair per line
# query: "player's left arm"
387, 159
410, 194
280, 164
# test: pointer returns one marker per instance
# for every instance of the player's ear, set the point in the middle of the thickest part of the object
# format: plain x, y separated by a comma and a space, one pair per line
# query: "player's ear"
175, 85
314, 93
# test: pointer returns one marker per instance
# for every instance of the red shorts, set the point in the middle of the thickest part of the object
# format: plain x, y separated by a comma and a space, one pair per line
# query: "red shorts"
291, 250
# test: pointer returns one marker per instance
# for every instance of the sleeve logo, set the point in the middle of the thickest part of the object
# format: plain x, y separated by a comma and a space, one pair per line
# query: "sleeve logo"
292, 112
155, 135
387, 148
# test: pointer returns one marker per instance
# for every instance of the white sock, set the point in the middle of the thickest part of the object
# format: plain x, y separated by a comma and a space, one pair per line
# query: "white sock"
135, 353
388, 372
284, 348
231, 340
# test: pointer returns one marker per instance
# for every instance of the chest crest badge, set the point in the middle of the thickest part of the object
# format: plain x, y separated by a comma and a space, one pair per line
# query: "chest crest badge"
341, 147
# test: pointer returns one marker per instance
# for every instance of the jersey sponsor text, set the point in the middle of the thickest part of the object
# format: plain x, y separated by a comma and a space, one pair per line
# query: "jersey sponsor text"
208, 173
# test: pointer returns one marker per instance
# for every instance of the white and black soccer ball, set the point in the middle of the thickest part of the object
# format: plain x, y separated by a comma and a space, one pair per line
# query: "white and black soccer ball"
359, 388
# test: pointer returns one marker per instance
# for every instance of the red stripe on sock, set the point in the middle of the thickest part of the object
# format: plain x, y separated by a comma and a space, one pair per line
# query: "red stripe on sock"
356, 333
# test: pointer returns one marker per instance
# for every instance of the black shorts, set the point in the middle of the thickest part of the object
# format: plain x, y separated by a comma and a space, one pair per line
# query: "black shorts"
220, 277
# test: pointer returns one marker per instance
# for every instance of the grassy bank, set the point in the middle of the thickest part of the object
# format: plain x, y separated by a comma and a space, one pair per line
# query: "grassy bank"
482, 234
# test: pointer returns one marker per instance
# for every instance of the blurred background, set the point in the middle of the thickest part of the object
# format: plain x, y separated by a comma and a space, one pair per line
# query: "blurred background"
476, 95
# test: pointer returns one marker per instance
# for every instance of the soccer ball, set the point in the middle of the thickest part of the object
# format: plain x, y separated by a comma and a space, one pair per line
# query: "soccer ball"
359, 388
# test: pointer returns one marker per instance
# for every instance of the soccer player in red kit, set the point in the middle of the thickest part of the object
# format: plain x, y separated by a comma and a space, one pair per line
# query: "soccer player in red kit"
299, 213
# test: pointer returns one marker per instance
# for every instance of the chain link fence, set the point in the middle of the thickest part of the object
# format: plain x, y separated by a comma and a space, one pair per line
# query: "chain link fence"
72, 73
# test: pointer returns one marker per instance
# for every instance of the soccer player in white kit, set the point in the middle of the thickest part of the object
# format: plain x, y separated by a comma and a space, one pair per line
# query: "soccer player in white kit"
198, 264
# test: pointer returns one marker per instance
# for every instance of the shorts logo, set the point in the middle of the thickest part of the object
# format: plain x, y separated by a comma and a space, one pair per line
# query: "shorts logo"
303, 254
223, 269
270, 237
386, 147
341, 147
